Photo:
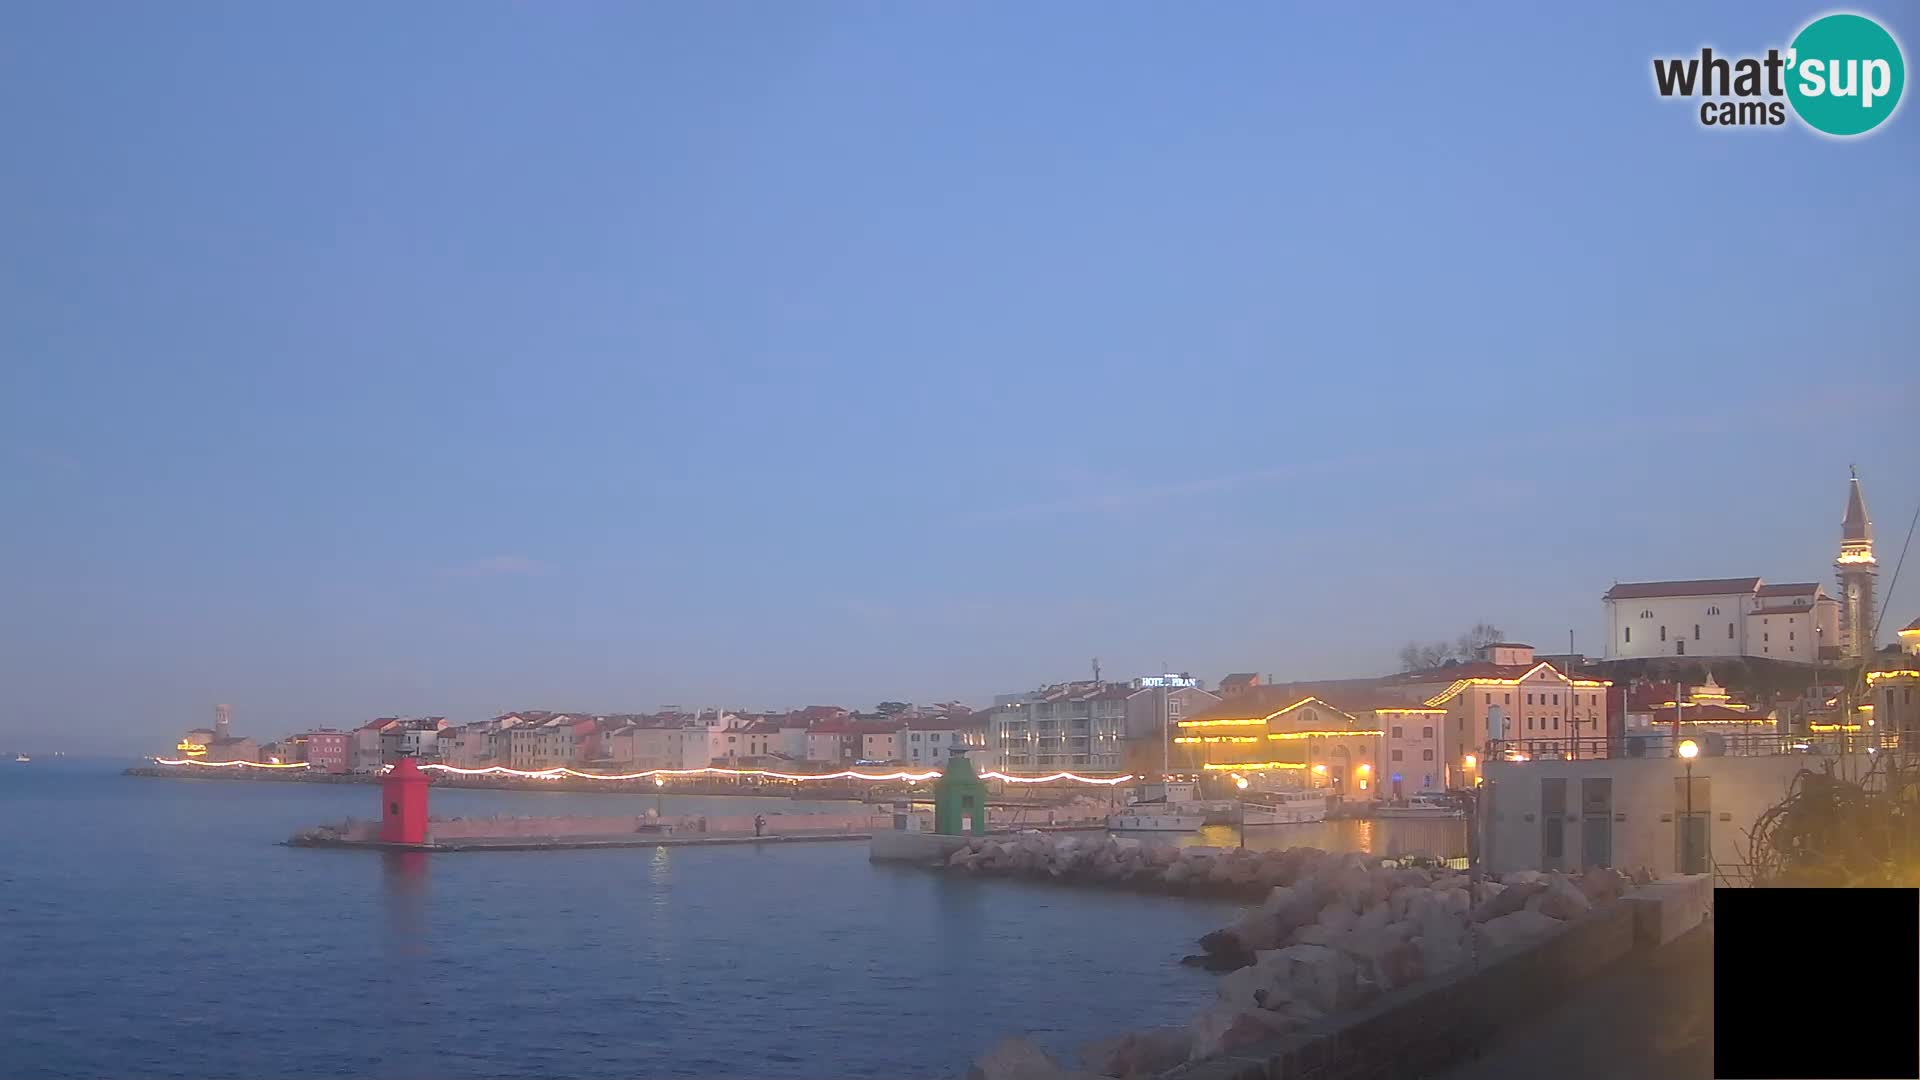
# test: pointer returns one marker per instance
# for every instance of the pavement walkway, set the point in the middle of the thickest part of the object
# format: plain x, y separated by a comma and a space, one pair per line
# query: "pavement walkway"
1651, 1018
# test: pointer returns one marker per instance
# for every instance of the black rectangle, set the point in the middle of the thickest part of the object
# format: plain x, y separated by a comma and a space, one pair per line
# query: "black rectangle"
1849, 955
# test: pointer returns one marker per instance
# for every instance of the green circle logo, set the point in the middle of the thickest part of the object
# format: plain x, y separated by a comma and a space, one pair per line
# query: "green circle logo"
1845, 74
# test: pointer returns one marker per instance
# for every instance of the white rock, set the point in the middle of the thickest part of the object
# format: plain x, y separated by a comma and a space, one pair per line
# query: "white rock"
1498, 933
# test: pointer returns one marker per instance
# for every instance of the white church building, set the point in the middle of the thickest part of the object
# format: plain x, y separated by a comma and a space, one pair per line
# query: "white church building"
1723, 617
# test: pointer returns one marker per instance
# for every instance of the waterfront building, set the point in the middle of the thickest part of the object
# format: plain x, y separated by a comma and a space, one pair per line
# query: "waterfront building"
1078, 726
193, 745
1238, 683
232, 749
414, 737
1154, 706
929, 741
368, 752
1280, 736
327, 750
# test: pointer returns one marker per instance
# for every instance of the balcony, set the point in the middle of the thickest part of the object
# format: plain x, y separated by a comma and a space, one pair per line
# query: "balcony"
1711, 744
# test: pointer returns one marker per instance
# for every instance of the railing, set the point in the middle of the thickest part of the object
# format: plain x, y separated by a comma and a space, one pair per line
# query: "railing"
1662, 744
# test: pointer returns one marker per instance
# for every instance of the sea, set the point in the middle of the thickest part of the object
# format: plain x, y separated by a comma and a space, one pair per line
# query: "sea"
160, 928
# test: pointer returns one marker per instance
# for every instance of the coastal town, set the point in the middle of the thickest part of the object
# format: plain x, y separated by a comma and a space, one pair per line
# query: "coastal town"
1756, 675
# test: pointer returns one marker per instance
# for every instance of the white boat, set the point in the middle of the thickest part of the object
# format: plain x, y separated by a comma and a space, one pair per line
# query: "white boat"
1147, 819
1427, 804
21, 758
1285, 808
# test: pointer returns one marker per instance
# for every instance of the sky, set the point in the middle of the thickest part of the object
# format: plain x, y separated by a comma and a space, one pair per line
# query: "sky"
450, 358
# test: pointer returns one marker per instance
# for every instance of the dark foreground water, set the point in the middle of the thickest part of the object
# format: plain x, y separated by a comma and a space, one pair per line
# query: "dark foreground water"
153, 928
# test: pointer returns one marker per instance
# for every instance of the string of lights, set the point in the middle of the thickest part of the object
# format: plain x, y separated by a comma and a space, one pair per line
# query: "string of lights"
561, 772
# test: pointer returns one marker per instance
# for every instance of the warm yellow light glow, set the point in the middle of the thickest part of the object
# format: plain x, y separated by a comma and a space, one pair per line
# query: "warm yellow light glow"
1363, 768
1875, 676
1689, 750
1461, 684
1251, 721
190, 748
1830, 728
1470, 761
1240, 782
1218, 739
1252, 766
659, 781
1411, 710
227, 764
1848, 558
1318, 734
1319, 770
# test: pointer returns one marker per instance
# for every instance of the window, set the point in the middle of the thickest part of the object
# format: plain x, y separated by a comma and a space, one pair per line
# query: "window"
1789, 635
1765, 637
1729, 631
1629, 632
1426, 733
1556, 723
1426, 755
1647, 614
1556, 699
1396, 755
1506, 699
1396, 733
1663, 633
1696, 631
1529, 699
1529, 723
1713, 611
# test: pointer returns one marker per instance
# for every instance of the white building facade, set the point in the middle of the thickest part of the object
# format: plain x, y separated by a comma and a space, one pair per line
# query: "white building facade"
1720, 617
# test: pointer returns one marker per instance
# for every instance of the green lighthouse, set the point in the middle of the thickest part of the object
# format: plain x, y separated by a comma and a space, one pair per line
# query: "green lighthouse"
959, 799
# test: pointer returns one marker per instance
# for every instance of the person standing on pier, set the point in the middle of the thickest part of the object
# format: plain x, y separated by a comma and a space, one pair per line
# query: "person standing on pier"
759, 823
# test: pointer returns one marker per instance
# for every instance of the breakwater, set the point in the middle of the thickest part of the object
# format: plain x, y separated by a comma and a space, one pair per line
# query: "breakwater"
1338, 944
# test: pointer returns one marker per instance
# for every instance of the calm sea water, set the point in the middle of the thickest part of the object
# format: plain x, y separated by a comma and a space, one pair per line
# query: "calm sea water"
153, 928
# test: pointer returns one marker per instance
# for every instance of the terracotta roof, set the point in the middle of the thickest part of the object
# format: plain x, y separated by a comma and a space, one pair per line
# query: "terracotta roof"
1635, 590
1800, 588
1914, 625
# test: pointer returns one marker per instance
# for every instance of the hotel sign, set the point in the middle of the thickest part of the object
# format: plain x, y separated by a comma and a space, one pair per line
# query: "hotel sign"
1168, 681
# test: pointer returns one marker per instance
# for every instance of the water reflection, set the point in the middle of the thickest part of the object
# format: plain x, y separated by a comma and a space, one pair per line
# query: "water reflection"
1391, 838
404, 878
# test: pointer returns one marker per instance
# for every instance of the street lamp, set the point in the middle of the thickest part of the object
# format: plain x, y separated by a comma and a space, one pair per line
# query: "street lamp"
659, 798
1241, 818
1688, 751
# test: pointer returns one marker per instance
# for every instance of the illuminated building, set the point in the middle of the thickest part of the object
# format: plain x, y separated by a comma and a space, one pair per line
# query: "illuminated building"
1527, 705
1307, 740
1893, 685
1856, 568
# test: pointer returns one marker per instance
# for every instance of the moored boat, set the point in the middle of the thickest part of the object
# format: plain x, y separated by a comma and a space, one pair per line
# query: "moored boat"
1148, 819
1426, 804
1285, 808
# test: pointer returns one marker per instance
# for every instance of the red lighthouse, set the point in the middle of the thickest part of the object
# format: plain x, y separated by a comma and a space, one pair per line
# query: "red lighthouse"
403, 804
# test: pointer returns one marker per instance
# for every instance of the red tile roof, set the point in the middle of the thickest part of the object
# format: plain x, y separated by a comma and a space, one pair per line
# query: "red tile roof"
1635, 590
1804, 588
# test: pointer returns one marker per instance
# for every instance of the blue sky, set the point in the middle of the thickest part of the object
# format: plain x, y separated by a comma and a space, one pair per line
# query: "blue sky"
450, 357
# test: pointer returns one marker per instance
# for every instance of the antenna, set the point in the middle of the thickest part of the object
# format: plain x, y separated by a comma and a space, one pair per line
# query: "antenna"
1096, 669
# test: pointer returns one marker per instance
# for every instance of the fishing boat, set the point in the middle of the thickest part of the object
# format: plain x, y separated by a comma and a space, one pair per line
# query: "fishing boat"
1426, 804
1284, 808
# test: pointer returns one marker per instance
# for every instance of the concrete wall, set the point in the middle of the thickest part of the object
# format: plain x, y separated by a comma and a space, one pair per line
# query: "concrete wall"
1678, 615
1648, 800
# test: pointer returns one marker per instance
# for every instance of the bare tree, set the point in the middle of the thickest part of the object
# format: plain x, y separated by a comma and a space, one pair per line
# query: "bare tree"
1417, 657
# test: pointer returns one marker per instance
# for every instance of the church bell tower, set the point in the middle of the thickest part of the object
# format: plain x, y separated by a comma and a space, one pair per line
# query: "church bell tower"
1857, 569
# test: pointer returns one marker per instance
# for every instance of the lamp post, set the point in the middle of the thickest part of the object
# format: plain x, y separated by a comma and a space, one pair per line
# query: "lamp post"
659, 798
1241, 783
1688, 751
